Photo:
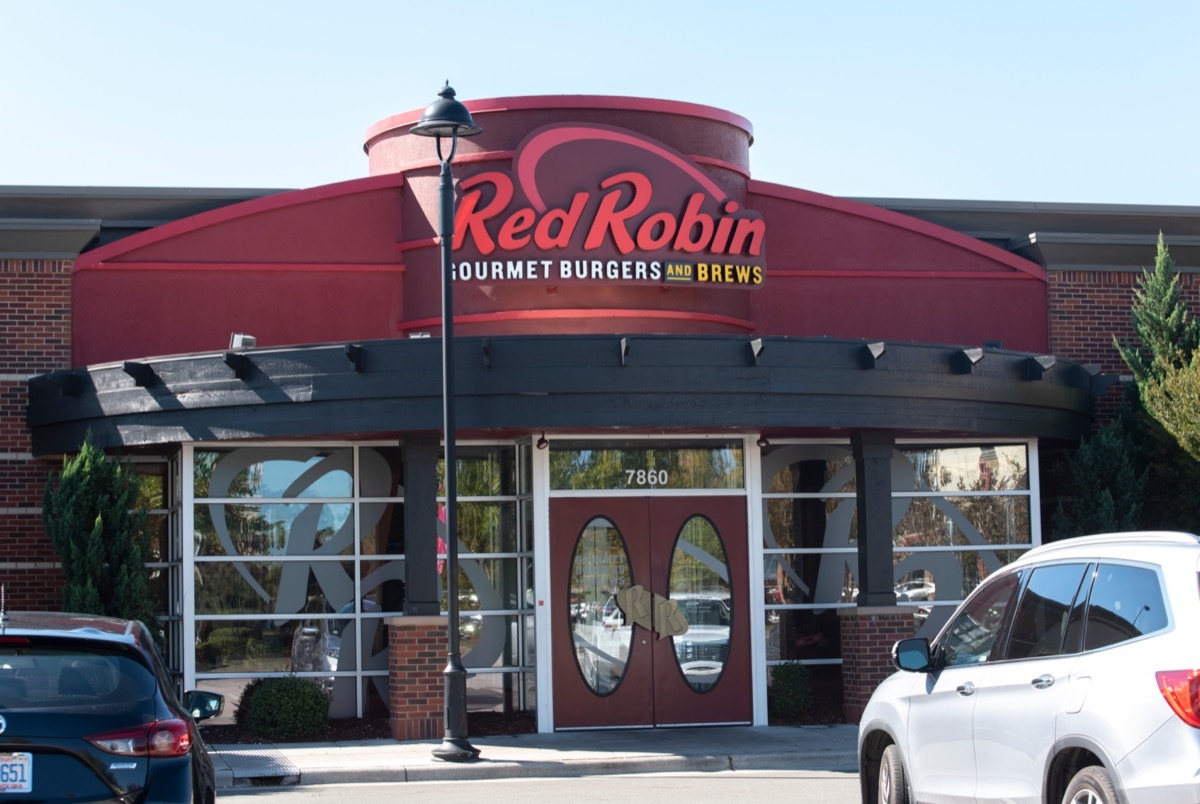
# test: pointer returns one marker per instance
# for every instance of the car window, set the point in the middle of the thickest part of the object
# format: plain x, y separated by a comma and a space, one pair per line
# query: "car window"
33, 676
970, 637
1126, 602
1041, 617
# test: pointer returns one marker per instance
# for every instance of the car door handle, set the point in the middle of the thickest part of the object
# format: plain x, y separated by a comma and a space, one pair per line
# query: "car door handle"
1042, 682
966, 689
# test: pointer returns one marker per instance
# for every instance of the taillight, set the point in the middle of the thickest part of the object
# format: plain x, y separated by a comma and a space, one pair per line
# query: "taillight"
164, 738
1181, 688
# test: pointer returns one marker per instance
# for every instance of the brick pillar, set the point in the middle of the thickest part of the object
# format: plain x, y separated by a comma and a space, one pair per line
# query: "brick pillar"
868, 633
416, 689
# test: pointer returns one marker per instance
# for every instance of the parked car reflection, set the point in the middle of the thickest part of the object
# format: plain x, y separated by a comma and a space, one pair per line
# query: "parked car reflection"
317, 643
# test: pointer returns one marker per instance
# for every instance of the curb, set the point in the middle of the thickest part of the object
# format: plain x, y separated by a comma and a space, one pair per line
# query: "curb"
486, 769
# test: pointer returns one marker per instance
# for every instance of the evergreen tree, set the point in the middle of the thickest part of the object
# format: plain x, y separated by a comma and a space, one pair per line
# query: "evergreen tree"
1173, 400
1105, 488
1167, 334
92, 518
1163, 416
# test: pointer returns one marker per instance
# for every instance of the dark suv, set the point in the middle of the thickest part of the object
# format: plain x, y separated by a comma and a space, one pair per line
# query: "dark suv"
88, 712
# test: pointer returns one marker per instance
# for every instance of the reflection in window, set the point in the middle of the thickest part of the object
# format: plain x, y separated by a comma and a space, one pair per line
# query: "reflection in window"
699, 587
959, 521
956, 508
997, 467
646, 465
273, 472
1126, 602
1041, 619
599, 570
299, 553
970, 638
810, 557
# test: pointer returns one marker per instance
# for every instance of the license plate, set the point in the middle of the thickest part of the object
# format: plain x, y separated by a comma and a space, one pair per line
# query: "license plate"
16, 773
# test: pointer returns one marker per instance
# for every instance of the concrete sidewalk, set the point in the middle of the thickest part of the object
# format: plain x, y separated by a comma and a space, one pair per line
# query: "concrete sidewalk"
579, 753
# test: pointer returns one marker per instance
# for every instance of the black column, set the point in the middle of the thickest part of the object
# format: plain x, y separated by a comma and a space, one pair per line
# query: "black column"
420, 525
873, 476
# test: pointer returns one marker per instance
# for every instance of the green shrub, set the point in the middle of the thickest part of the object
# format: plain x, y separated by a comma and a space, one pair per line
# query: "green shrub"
284, 709
790, 697
243, 705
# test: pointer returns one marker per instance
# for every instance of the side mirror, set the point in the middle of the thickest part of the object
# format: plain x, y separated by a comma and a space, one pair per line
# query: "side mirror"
203, 705
912, 655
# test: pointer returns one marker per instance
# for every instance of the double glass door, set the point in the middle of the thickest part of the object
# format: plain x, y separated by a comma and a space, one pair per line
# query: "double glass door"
650, 618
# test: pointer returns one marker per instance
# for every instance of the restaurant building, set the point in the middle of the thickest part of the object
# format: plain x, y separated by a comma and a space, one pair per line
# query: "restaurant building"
707, 424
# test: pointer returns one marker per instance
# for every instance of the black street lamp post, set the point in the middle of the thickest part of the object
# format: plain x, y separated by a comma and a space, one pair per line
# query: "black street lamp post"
446, 117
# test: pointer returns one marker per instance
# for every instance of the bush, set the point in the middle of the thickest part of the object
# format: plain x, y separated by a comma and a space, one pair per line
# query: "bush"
284, 709
790, 696
243, 705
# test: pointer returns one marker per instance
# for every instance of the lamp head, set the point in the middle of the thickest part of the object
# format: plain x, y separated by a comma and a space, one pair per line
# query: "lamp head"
446, 117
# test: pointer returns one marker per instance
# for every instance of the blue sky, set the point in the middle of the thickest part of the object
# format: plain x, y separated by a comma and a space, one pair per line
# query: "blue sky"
1018, 101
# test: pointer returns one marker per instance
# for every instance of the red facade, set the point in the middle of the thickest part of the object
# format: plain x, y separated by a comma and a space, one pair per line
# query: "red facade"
359, 260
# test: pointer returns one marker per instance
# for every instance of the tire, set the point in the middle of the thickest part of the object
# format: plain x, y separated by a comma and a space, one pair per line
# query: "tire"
1092, 785
892, 785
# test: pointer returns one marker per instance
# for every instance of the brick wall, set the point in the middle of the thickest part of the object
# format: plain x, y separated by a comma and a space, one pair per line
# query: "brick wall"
416, 685
868, 634
35, 337
1087, 308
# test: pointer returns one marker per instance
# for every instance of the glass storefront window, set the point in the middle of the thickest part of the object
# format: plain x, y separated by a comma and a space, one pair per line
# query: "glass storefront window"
645, 465
273, 472
600, 568
301, 548
483, 471
272, 587
965, 510
803, 634
1000, 467
959, 521
245, 646
273, 529
961, 511
698, 581
952, 574
488, 527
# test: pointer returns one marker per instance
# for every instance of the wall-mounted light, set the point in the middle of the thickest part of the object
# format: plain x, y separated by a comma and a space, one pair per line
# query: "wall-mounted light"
872, 353
756, 350
965, 360
762, 442
240, 340
542, 443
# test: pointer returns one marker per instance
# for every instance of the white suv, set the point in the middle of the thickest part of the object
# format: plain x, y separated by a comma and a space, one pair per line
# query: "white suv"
1072, 675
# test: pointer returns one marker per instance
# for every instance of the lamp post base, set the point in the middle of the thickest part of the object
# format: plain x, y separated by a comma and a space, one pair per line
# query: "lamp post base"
455, 746
456, 749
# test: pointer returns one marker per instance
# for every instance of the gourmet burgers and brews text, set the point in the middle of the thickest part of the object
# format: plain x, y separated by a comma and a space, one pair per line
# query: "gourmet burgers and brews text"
560, 216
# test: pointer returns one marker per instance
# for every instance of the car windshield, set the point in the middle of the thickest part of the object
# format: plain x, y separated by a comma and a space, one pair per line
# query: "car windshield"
36, 676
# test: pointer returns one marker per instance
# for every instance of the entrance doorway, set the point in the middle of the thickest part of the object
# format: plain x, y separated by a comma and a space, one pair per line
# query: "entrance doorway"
651, 611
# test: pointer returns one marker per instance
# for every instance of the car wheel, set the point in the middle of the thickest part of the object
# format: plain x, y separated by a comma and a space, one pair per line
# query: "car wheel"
1092, 785
893, 786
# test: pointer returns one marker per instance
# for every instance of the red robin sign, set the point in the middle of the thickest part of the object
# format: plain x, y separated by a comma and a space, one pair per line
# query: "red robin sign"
594, 203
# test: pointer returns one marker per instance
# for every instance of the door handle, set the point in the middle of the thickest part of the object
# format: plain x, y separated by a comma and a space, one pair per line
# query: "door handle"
965, 689
1043, 681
